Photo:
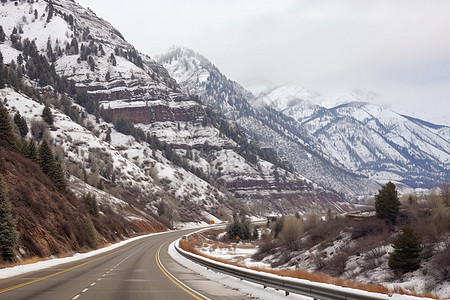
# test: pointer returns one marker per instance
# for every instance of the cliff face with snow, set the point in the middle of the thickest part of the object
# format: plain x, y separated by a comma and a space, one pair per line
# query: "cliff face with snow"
347, 147
180, 160
195, 74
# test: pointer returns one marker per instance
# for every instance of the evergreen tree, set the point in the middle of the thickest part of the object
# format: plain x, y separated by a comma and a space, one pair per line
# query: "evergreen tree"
91, 204
32, 151
406, 255
46, 160
2, 35
47, 115
21, 124
57, 176
6, 132
108, 136
51, 9
2, 80
9, 236
240, 228
387, 204
74, 45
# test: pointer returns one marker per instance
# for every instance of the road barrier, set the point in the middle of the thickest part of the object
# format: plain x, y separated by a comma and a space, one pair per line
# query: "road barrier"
311, 289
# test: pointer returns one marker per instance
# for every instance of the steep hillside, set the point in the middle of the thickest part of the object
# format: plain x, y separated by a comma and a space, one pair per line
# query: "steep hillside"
196, 75
122, 124
51, 221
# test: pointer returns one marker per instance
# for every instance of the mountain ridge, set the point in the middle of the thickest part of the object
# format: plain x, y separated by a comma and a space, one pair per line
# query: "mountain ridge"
308, 123
123, 124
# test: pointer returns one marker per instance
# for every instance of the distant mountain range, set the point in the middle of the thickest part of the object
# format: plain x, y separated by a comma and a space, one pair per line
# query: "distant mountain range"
346, 147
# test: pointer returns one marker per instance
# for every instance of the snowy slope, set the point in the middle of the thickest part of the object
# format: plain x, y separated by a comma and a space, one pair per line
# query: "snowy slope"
367, 138
196, 74
188, 160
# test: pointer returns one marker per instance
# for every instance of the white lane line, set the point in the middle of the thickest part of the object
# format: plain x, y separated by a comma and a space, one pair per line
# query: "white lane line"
106, 273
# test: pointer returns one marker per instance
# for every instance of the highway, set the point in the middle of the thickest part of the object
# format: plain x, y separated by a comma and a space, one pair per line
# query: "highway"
141, 269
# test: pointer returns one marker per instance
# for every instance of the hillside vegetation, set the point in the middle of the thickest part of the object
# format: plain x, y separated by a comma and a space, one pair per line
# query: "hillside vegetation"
410, 254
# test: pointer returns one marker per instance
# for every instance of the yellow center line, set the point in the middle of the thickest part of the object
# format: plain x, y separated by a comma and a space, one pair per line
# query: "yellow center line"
181, 285
60, 272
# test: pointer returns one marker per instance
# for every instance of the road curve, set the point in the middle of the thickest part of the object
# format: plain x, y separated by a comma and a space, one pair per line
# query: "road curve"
139, 270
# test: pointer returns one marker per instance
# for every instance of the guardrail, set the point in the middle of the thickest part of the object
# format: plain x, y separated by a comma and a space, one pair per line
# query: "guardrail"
314, 290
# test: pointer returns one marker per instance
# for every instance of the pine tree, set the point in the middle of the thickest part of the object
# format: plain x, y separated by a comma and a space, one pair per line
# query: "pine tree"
57, 176
9, 236
51, 9
387, 204
21, 124
108, 136
406, 255
6, 132
240, 228
32, 151
23, 127
2, 80
46, 161
47, 115
2, 35
91, 204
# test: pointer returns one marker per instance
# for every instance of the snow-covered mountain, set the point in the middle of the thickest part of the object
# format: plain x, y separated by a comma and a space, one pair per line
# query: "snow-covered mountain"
124, 125
368, 138
331, 146
195, 74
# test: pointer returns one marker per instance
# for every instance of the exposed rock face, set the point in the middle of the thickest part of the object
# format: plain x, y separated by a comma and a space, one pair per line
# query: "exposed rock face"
160, 113
185, 178
291, 141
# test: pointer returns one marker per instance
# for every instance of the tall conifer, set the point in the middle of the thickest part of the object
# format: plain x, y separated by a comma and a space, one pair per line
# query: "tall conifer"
406, 255
387, 204
9, 236
2, 80
46, 161
32, 152
5, 126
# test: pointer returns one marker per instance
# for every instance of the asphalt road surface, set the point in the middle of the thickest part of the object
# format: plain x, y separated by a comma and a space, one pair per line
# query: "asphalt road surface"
139, 270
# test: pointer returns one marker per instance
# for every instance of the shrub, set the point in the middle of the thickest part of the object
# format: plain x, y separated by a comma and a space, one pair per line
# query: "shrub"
37, 129
292, 231
368, 227
47, 115
441, 265
312, 220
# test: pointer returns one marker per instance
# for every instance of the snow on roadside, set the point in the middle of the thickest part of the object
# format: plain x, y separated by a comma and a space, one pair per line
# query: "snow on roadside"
252, 289
256, 290
22, 269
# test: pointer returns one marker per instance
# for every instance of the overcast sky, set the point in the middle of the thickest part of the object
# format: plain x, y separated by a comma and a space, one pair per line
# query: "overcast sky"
398, 49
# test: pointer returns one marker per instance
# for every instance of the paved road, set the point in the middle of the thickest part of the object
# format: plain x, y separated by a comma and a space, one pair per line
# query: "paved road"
139, 270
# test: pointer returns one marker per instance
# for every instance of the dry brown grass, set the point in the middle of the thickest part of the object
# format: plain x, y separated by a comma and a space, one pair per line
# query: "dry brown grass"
194, 241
